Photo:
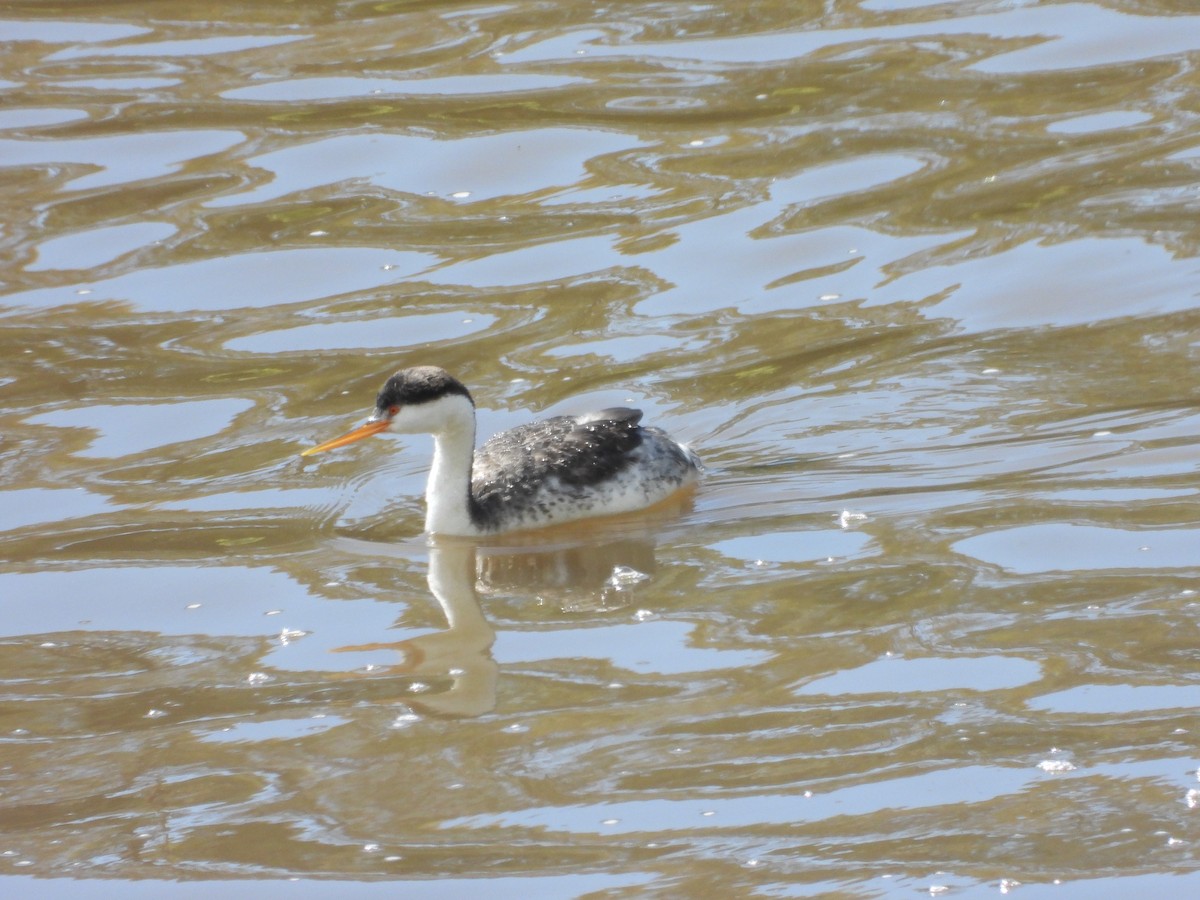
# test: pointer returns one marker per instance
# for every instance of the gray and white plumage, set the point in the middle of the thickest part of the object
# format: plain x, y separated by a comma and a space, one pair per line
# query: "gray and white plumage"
543, 473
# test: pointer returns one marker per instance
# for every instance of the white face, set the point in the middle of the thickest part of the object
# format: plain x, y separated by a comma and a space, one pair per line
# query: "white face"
447, 413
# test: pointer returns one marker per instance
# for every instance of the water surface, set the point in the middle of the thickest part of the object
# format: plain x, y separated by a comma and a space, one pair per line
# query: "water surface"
918, 280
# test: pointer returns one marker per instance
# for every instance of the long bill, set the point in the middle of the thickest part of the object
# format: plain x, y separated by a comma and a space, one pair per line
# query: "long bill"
368, 428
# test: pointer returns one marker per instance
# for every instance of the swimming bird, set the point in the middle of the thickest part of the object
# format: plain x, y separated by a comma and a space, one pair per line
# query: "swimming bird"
544, 473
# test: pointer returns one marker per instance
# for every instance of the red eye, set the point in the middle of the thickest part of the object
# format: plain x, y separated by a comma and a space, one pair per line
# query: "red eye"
392, 410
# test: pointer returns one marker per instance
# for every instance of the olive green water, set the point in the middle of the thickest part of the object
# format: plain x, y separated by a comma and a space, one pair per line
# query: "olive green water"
917, 280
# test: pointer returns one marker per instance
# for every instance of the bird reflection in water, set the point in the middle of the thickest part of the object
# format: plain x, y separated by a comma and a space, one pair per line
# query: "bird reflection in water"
449, 672
586, 569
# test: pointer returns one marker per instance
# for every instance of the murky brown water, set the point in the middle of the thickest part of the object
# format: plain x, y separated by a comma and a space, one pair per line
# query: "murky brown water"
918, 280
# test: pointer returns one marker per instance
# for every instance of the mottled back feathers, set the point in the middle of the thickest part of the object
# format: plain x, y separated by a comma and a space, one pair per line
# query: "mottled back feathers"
513, 467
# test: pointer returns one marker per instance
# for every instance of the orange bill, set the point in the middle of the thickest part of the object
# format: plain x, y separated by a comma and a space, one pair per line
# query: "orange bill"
374, 426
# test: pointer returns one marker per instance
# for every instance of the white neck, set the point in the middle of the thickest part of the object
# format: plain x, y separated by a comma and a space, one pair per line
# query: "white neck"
447, 495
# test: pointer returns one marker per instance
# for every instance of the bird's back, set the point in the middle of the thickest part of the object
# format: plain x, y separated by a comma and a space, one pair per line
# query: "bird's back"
571, 467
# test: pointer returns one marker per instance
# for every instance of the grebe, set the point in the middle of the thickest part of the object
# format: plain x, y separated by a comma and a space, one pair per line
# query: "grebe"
544, 473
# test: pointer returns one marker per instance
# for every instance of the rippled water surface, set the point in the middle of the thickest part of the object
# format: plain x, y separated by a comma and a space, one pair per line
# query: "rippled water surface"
918, 281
